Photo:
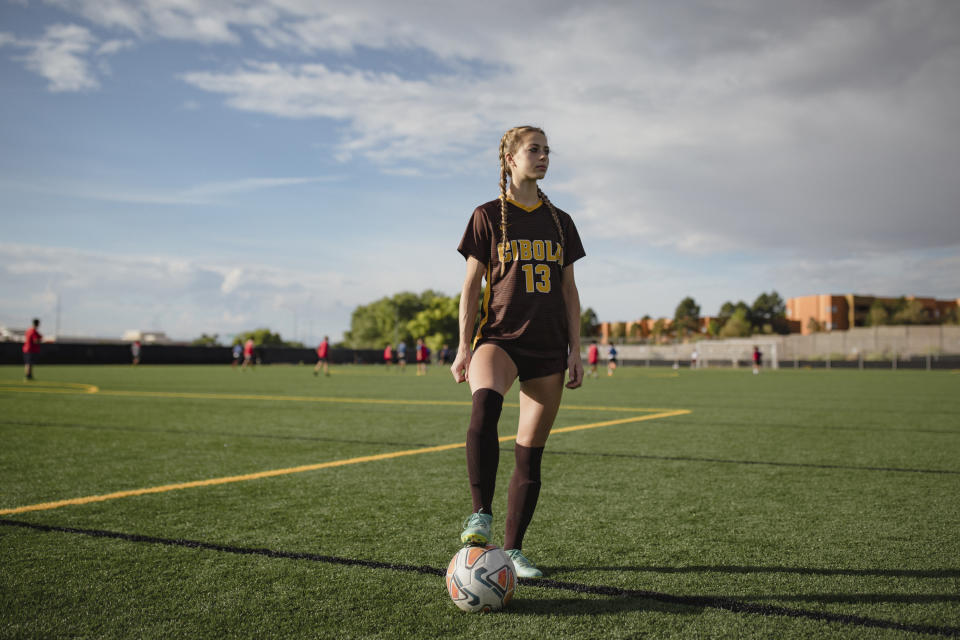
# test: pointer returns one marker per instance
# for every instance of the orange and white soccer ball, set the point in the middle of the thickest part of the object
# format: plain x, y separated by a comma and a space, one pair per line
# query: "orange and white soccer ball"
481, 578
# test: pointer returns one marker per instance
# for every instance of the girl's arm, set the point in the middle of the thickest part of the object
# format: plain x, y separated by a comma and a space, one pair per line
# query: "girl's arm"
468, 315
571, 300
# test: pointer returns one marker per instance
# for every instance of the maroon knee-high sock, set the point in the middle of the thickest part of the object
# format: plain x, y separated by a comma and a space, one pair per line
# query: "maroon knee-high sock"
524, 491
483, 448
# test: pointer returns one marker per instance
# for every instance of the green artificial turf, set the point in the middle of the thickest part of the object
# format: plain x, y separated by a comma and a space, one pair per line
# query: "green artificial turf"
793, 504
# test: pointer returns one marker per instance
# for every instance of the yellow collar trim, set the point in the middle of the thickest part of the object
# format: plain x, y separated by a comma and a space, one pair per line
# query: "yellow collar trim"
527, 209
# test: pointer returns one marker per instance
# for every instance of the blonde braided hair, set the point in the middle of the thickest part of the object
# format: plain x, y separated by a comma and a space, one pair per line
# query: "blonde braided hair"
508, 144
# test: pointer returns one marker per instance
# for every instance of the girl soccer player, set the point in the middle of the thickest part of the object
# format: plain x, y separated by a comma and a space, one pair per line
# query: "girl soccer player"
525, 249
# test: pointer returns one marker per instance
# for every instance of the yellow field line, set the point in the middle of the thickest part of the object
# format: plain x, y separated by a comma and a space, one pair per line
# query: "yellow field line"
50, 387
45, 506
73, 387
609, 423
340, 400
243, 396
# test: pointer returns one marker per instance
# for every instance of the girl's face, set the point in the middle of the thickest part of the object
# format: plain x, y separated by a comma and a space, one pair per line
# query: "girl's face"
531, 158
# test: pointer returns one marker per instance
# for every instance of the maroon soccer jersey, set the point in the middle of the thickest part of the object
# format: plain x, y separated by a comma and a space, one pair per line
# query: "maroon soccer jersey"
524, 306
31, 341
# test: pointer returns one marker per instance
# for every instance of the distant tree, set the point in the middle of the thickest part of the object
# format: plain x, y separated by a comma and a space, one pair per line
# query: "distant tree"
912, 312
952, 316
644, 326
618, 330
686, 317
387, 320
660, 329
813, 326
263, 337
878, 315
588, 322
206, 340
738, 325
727, 309
769, 309
437, 324
713, 327
898, 305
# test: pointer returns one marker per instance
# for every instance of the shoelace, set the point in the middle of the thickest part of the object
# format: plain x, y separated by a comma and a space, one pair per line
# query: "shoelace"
474, 520
519, 558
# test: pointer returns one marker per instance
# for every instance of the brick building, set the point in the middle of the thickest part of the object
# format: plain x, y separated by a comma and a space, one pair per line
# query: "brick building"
846, 311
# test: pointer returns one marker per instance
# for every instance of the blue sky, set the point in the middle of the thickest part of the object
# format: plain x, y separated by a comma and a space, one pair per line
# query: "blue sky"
236, 164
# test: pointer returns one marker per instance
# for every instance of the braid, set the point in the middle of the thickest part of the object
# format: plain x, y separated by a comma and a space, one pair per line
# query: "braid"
508, 144
553, 212
503, 198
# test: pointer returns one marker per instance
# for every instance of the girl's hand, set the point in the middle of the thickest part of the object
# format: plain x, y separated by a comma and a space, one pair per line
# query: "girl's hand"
575, 368
461, 365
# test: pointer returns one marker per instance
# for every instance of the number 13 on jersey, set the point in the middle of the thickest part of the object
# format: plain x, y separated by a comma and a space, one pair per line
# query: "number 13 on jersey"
537, 277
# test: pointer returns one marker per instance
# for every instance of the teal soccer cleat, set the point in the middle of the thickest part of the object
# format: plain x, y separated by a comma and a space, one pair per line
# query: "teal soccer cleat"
476, 528
524, 568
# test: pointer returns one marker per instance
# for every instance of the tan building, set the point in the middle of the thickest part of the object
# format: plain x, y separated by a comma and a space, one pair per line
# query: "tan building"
838, 312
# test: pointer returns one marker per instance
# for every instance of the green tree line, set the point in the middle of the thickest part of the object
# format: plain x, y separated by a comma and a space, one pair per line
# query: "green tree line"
767, 314
903, 311
262, 337
405, 317
432, 316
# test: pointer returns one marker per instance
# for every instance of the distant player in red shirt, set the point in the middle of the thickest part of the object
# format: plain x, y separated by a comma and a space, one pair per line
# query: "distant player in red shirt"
593, 357
422, 357
31, 347
524, 248
388, 355
247, 354
757, 357
323, 354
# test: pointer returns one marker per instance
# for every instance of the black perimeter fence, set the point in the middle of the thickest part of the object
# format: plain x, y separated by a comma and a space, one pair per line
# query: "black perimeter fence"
81, 353
86, 353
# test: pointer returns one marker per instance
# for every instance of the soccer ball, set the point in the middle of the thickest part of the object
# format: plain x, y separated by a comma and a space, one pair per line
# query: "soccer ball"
481, 578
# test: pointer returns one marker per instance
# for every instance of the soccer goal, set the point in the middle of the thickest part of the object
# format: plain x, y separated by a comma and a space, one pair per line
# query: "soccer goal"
736, 352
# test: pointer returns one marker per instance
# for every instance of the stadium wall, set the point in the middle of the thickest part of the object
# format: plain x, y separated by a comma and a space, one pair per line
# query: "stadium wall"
905, 343
868, 344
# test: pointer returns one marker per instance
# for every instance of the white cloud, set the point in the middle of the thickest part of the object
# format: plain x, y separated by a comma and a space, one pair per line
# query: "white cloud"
391, 119
207, 22
60, 57
180, 296
232, 280
202, 194
820, 136
114, 46
773, 132
66, 55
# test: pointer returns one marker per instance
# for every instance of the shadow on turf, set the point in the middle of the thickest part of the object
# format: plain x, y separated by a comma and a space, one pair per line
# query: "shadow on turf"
554, 607
618, 599
855, 598
809, 571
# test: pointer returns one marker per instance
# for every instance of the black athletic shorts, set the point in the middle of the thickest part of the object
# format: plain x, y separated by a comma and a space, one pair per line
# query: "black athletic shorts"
530, 367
